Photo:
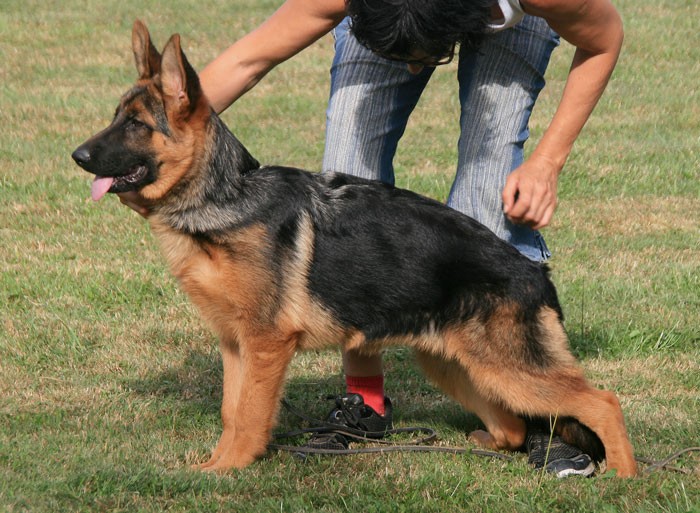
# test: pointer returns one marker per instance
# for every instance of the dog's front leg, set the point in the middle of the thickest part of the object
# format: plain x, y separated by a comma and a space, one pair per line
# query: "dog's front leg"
254, 374
233, 373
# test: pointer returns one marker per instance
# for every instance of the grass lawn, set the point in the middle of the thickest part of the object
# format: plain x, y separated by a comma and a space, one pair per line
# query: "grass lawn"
110, 383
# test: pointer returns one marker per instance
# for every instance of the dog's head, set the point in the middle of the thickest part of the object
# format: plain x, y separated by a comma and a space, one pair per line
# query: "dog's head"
157, 134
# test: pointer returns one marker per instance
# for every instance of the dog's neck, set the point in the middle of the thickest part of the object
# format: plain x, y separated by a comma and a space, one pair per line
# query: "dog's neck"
207, 201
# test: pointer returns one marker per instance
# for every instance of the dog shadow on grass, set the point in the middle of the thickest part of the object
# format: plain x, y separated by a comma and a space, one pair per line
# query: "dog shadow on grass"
195, 387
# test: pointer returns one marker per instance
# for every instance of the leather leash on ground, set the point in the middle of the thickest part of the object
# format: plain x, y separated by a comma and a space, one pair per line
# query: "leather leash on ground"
381, 446
429, 435
664, 463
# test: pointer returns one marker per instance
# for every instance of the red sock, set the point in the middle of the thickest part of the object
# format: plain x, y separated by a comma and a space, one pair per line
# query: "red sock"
371, 388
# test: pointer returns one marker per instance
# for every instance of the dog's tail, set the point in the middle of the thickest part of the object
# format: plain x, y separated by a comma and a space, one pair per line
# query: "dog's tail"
573, 433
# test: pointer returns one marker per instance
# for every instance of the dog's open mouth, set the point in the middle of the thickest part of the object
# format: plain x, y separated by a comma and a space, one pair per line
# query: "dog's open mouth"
101, 185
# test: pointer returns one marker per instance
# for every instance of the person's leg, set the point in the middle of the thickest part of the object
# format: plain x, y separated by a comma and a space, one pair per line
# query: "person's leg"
364, 375
499, 85
370, 101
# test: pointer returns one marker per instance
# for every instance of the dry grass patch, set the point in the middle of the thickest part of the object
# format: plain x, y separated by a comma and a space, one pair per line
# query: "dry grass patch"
632, 217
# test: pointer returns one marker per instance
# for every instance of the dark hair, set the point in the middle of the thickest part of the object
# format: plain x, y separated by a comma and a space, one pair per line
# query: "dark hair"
400, 27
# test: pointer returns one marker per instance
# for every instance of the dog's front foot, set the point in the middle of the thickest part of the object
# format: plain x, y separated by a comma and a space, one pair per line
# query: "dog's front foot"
226, 456
206, 465
214, 464
223, 464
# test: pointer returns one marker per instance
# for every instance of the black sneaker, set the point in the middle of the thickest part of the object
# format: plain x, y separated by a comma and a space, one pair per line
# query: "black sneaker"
352, 414
556, 456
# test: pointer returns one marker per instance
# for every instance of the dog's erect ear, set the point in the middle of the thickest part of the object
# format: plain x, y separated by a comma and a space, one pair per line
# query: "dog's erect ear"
146, 56
178, 79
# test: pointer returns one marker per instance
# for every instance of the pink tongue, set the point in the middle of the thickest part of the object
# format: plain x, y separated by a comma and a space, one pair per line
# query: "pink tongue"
100, 186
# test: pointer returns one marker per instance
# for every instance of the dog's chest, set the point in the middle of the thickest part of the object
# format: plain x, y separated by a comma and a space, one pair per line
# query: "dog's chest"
225, 281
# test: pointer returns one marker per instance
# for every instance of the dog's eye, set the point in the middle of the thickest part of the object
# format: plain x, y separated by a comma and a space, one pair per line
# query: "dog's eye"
135, 124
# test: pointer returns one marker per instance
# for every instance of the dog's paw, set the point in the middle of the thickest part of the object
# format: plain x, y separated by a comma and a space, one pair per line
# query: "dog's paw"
483, 439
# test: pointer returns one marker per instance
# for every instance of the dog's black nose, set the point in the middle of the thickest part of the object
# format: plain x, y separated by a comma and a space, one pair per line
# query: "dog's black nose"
81, 156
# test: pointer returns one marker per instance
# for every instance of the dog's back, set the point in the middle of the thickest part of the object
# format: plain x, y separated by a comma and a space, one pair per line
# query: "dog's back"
407, 264
389, 262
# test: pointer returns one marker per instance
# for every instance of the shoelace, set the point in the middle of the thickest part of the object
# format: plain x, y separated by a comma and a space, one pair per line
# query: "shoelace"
349, 412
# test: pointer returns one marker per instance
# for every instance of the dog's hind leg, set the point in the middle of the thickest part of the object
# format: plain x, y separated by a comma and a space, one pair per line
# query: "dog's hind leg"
560, 393
600, 411
504, 430
540, 378
250, 408
557, 388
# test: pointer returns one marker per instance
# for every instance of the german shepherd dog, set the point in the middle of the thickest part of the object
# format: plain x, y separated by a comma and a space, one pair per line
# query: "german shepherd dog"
279, 260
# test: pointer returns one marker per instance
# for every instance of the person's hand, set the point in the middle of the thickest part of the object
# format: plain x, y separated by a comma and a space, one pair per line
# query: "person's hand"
136, 202
530, 193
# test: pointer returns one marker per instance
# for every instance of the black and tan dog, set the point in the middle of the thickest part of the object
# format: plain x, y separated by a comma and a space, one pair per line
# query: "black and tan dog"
279, 260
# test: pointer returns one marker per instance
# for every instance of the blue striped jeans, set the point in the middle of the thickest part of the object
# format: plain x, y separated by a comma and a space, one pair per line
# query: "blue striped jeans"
372, 98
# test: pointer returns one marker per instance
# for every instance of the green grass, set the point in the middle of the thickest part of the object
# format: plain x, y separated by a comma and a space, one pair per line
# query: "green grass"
110, 384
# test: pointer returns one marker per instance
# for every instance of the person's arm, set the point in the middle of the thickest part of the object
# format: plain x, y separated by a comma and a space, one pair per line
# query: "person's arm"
293, 27
594, 27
